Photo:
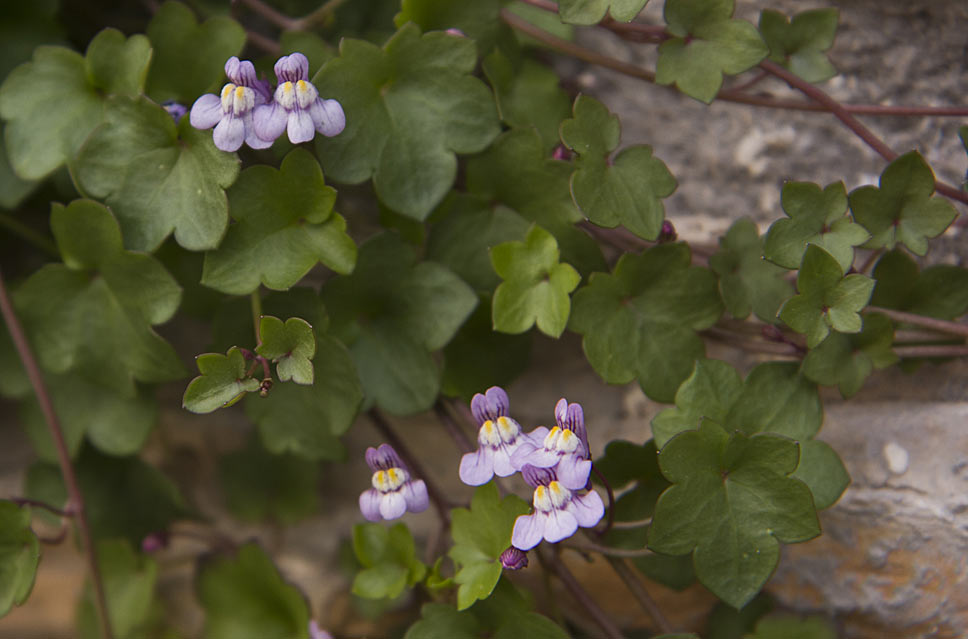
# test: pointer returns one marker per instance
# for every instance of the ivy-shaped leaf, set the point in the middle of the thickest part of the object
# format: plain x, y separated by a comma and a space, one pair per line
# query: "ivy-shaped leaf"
747, 282
285, 226
709, 392
480, 21
389, 560
157, 176
481, 534
411, 106
291, 345
634, 466
53, 102
535, 287
93, 314
392, 313
19, 555
13, 189
901, 210
786, 627
847, 360
799, 44
627, 190
224, 380
706, 43
814, 217
939, 291
587, 12
245, 597
826, 298
129, 588
640, 321
439, 620
731, 504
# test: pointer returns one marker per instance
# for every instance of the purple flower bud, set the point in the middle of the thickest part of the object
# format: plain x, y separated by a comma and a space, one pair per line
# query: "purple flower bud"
153, 542
561, 152
393, 492
536, 476
175, 109
668, 233
455, 32
514, 559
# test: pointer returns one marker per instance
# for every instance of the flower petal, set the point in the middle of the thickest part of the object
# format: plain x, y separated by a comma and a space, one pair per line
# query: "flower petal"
206, 112
269, 121
560, 524
502, 463
588, 509
415, 495
477, 468
229, 134
393, 505
573, 471
370, 505
535, 455
328, 117
528, 531
301, 127
497, 401
251, 138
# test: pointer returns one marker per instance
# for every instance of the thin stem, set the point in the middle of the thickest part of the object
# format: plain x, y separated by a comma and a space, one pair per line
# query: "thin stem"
943, 326
76, 499
869, 262
277, 18
590, 546
255, 301
460, 438
909, 336
637, 523
628, 574
756, 346
749, 84
319, 15
959, 350
611, 500
602, 618
17, 227
268, 45
23, 501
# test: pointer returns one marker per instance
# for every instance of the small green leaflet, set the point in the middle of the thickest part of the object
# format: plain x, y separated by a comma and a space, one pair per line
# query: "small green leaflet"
826, 298
817, 217
129, 587
285, 226
707, 43
627, 190
788, 627
53, 102
481, 534
710, 391
746, 281
640, 321
157, 176
847, 360
479, 20
223, 381
902, 210
939, 291
245, 597
799, 44
587, 12
731, 504
291, 345
535, 287
19, 555
389, 560
411, 106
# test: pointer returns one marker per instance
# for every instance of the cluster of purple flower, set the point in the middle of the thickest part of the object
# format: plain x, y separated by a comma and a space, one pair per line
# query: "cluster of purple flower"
249, 111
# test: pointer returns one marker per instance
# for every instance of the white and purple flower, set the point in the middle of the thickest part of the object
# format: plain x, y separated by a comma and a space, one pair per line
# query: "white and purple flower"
393, 492
558, 511
296, 106
563, 448
231, 113
498, 438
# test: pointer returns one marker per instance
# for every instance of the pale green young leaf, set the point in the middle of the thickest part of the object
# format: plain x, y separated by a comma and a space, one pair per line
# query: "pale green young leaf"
19, 556
223, 381
389, 560
291, 345
441, 621
588, 12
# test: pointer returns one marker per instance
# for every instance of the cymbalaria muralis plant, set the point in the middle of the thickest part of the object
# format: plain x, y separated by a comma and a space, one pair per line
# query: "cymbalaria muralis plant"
161, 201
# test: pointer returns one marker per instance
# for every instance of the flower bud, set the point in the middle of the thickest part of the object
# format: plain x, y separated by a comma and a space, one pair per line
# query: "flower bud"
514, 559
668, 232
153, 542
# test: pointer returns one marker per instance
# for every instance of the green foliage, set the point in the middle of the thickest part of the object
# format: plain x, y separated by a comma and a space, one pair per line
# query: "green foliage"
707, 43
224, 380
535, 287
480, 535
410, 107
286, 225
53, 102
640, 321
725, 622
799, 44
814, 217
627, 190
157, 176
786, 627
939, 291
731, 504
826, 298
479, 20
747, 282
847, 360
291, 345
19, 555
901, 210
389, 560
587, 12
129, 587
710, 391
13, 189
635, 466
245, 597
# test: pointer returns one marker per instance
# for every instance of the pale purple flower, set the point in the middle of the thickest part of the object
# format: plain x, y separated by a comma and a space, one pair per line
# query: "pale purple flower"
296, 106
514, 559
315, 632
498, 438
231, 113
564, 447
558, 511
393, 492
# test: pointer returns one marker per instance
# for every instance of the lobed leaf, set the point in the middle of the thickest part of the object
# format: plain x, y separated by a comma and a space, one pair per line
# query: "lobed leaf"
389, 559
291, 345
588, 12
747, 282
847, 360
799, 43
940, 290
19, 555
129, 588
224, 380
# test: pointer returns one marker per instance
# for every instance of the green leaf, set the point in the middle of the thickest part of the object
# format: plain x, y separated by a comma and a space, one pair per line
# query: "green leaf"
798, 44
826, 298
535, 287
786, 627
939, 291
587, 12
629, 189
259, 486
901, 210
847, 360
709, 392
640, 321
223, 381
480, 535
291, 345
157, 176
411, 106
389, 559
507, 613
480, 21
129, 587
725, 622
440, 621
823, 472
52, 103
731, 504
285, 226
118, 294
777, 398
814, 217
245, 597
189, 57
707, 44
748, 282
310, 44
13, 190
19, 556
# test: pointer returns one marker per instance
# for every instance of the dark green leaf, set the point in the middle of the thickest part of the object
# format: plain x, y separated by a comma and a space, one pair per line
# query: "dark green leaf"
786, 627
223, 381
291, 345
725, 622
777, 398
709, 392
847, 360
508, 614
746, 281
440, 621
798, 44
316, 50
822, 470
479, 20
129, 587
19, 555
389, 559
13, 190
589, 12
938, 291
